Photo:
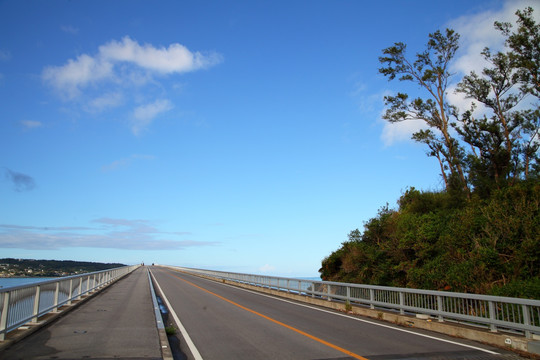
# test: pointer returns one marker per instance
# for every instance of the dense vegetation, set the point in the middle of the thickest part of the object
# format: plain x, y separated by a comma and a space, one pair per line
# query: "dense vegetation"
430, 242
481, 233
50, 268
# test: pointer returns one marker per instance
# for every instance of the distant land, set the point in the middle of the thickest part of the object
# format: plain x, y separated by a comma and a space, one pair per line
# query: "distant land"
49, 268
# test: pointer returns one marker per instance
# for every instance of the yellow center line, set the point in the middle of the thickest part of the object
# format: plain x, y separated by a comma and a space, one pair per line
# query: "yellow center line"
335, 347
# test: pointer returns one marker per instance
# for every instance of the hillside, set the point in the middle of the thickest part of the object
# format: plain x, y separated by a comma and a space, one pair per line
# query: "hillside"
433, 241
49, 268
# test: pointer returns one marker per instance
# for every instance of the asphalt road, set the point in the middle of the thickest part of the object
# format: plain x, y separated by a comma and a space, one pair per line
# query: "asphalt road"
225, 322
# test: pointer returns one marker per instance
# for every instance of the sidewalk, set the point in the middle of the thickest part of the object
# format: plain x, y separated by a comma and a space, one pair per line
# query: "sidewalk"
118, 323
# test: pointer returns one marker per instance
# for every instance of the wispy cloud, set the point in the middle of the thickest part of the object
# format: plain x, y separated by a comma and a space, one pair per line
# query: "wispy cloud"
402, 131
477, 31
21, 182
31, 124
69, 29
144, 115
267, 268
43, 228
5, 55
77, 74
115, 75
109, 233
106, 101
117, 164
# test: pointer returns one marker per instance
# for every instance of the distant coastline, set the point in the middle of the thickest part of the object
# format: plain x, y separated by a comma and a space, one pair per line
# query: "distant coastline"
30, 268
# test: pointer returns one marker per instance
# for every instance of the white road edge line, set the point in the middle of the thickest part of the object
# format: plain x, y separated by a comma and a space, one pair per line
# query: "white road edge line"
189, 342
365, 321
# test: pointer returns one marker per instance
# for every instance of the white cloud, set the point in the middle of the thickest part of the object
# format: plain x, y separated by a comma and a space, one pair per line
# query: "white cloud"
477, 31
145, 114
70, 79
174, 59
119, 72
401, 131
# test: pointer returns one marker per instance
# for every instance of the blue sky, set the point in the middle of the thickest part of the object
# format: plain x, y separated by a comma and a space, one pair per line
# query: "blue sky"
235, 135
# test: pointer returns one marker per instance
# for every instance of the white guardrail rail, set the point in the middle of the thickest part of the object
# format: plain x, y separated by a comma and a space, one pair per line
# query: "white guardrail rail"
496, 313
26, 303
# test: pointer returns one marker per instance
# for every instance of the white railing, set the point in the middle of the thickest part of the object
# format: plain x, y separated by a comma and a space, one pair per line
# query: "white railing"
495, 313
26, 303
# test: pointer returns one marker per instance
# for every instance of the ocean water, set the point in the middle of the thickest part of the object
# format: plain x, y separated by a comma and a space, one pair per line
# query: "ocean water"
14, 281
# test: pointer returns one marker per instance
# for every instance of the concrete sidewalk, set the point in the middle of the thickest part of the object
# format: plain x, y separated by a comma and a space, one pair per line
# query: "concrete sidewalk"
118, 323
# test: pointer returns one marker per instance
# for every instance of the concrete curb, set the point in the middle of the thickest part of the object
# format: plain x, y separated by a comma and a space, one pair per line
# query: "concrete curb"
166, 352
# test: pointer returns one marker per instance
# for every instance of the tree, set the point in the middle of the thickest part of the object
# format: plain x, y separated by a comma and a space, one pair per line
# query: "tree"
504, 140
525, 55
430, 71
525, 49
496, 137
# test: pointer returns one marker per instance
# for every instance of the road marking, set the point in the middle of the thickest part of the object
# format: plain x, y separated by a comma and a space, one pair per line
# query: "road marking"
187, 338
363, 320
335, 347
367, 321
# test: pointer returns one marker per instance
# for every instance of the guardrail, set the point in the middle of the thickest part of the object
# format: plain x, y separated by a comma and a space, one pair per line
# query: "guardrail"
496, 313
26, 303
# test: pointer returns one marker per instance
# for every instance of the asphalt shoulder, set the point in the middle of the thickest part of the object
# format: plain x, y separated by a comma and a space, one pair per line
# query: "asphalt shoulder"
118, 322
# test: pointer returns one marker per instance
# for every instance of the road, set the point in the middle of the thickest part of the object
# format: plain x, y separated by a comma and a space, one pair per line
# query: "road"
225, 322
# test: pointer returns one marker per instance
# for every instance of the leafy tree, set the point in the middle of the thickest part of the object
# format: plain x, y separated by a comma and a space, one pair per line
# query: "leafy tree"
525, 56
504, 140
495, 140
525, 49
430, 72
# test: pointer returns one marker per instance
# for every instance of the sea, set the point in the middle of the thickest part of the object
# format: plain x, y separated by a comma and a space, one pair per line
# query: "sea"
16, 281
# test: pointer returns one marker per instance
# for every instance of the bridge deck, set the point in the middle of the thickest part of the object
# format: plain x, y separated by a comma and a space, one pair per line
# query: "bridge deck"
117, 323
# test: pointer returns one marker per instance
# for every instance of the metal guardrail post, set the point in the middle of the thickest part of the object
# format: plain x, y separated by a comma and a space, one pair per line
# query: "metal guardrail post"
491, 307
401, 303
80, 288
371, 298
440, 308
328, 292
56, 291
3, 319
35, 312
70, 295
526, 320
